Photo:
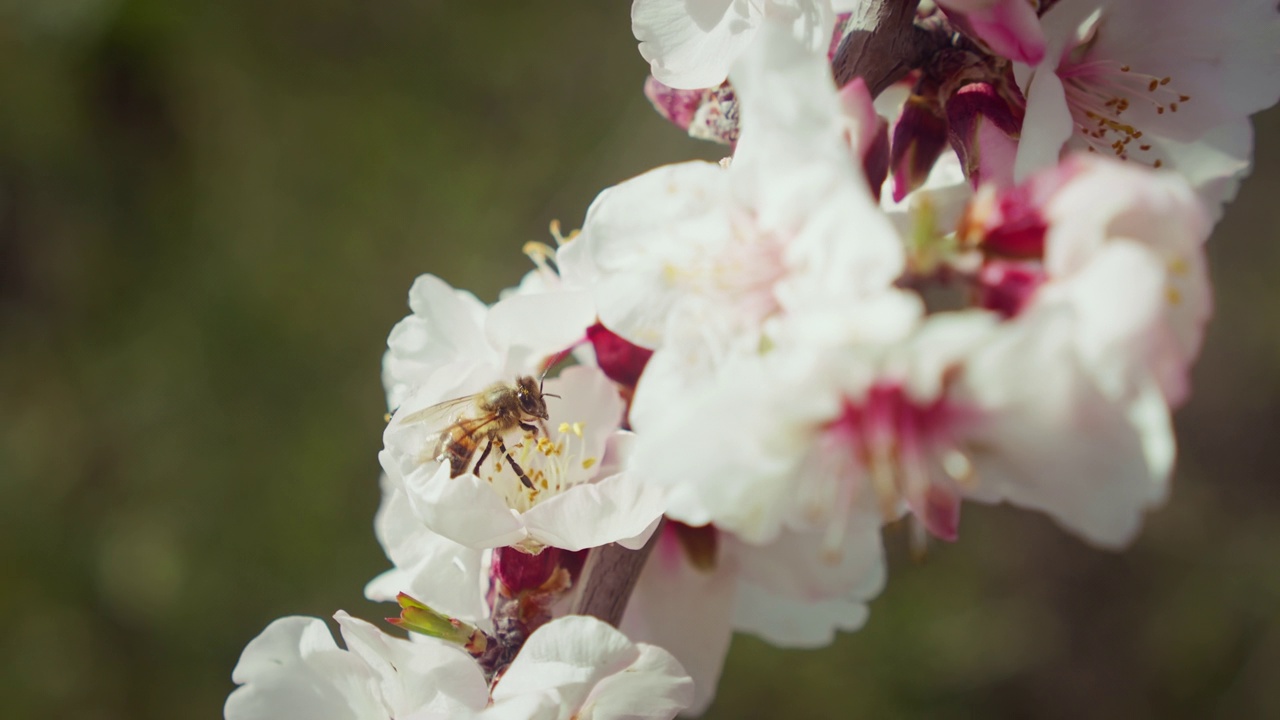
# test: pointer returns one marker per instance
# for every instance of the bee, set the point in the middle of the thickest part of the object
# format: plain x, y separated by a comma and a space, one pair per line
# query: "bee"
482, 419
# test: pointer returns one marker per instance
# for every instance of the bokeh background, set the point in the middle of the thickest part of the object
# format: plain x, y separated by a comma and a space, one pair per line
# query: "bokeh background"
210, 215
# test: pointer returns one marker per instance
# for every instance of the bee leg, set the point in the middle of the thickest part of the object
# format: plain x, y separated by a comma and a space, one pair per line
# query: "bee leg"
524, 478
483, 456
531, 429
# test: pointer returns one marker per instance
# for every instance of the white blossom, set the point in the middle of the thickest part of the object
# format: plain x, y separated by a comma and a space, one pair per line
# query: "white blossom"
701, 262
577, 495
1161, 82
294, 669
573, 667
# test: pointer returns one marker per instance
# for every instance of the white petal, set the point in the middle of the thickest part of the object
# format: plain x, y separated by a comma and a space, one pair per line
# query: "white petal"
464, 509
798, 565
593, 667
696, 633
545, 323
1053, 441
444, 327
282, 643
690, 43
653, 686
615, 509
641, 239
791, 623
419, 674
1221, 54
295, 671
1047, 124
570, 654
1214, 164
441, 573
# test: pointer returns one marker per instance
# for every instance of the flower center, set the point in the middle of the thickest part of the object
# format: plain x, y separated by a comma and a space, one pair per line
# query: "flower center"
552, 461
741, 274
1101, 92
905, 451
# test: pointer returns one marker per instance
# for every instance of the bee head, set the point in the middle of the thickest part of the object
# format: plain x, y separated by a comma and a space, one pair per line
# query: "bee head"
529, 392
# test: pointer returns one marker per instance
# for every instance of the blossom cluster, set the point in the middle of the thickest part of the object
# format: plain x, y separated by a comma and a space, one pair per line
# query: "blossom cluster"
981, 279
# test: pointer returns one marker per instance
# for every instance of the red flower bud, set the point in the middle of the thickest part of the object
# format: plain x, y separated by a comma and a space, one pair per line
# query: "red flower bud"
619, 359
919, 137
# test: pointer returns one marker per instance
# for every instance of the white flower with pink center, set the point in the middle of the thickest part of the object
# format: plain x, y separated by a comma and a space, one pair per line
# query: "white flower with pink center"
1105, 235
700, 262
541, 481
1166, 84
829, 443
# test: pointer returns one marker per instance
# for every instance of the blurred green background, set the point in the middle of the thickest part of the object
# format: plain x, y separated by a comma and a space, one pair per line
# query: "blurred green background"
210, 215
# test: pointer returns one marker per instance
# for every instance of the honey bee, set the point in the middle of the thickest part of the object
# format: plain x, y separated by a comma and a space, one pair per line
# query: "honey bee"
482, 419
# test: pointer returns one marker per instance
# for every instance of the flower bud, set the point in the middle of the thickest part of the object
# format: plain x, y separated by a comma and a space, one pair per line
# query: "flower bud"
919, 137
678, 106
983, 127
621, 360
417, 617
867, 133
706, 114
518, 571
1006, 287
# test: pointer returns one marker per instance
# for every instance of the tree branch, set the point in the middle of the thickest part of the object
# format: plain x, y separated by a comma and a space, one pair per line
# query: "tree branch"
609, 576
883, 45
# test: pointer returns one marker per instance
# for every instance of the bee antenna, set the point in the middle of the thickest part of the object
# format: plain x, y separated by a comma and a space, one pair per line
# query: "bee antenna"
552, 362
552, 395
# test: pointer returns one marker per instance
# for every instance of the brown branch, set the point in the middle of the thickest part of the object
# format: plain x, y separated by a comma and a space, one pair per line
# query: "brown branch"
883, 44
609, 577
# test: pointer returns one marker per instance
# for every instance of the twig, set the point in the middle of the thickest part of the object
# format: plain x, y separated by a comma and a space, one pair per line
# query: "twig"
610, 575
883, 45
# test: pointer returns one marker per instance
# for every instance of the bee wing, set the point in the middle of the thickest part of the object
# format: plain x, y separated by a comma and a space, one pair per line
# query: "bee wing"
440, 415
